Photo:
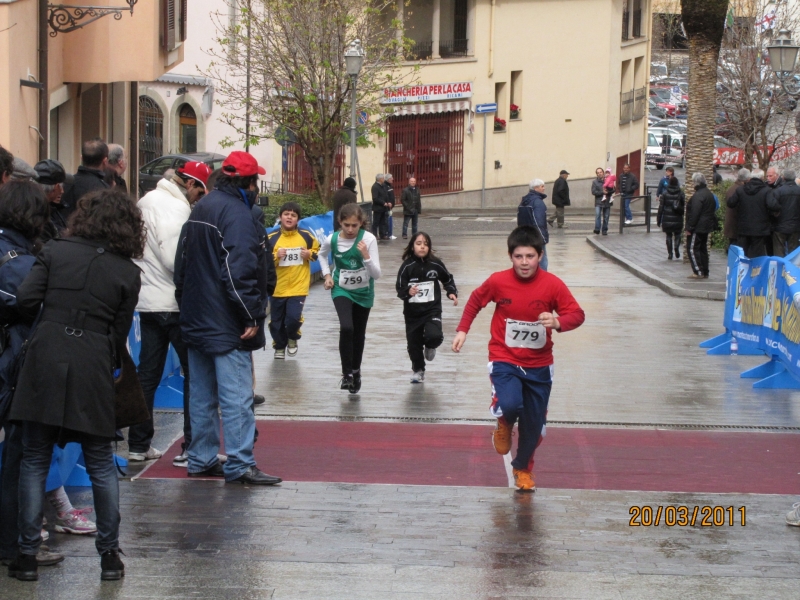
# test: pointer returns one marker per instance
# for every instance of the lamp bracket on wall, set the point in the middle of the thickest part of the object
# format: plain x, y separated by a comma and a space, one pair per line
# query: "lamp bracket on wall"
64, 18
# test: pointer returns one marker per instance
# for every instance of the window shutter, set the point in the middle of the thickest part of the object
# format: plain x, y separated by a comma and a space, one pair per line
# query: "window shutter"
184, 18
168, 21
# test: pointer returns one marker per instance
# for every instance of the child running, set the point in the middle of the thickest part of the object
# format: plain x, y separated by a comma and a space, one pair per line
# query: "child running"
356, 266
418, 286
529, 304
293, 251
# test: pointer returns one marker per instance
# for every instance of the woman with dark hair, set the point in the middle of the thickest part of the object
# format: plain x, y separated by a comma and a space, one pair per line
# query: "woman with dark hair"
418, 287
670, 216
87, 287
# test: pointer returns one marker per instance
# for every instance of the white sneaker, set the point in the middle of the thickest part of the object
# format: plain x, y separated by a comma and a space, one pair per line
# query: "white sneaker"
430, 354
793, 516
418, 377
628, 221
292, 349
182, 460
151, 454
393, 237
280, 354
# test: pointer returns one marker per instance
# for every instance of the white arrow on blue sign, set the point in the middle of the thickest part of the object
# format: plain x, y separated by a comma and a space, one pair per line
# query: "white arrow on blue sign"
486, 108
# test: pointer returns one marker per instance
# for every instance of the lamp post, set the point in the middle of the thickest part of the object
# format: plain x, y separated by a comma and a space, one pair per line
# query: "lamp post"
353, 58
783, 59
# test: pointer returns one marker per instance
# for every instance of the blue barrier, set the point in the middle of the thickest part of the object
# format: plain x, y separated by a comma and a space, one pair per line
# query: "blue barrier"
762, 302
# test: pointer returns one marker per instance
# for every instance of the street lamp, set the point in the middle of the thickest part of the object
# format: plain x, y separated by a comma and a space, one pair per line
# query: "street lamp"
783, 59
353, 59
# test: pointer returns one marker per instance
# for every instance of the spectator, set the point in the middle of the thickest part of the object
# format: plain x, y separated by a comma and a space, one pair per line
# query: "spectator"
716, 176
6, 165
344, 195
560, 198
388, 182
117, 165
222, 289
774, 180
379, 203
50, 174
784, 204
670, 216
22, 170
669, 173
412, 207
729, 227
701, 220
752, 216
90, 176
532, 211
89, 287
164, 211
602, 203
628, 184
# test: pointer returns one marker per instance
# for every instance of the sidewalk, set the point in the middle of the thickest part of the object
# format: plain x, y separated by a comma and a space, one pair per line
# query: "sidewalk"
645, 255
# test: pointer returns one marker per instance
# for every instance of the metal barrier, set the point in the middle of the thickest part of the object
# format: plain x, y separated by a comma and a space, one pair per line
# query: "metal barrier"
647, 218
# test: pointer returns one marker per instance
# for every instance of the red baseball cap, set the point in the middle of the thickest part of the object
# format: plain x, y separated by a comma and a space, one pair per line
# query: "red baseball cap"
196, 170
241, 164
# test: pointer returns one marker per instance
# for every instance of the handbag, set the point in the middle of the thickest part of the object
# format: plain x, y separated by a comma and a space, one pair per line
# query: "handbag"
129, 405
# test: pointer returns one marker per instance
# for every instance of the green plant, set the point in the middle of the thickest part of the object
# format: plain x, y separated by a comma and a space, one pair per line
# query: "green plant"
310, 205
721, 189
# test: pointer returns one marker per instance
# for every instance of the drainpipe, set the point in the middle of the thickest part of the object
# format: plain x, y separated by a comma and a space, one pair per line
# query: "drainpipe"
44, 94
491, 40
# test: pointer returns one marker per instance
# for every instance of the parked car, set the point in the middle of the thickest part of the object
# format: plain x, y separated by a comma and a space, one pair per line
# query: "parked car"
659, 155
656, 111
665, 93
678, 125
150, 173
662, 100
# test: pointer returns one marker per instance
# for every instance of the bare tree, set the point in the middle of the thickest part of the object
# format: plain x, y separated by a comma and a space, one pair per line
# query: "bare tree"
279, 65
757, 109
667, 26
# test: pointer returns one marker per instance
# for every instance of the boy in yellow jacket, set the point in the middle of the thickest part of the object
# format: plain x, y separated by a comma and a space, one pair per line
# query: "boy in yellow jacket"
293, 250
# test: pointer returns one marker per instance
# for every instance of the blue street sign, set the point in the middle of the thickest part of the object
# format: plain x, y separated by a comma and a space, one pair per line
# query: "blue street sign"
486, 108
363, 117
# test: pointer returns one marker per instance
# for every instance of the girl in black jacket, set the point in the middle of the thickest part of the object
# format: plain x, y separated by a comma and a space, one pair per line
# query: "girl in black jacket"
670, 216
418, 286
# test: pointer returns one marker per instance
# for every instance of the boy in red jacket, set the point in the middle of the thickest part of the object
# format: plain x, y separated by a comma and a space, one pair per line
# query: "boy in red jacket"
530, 304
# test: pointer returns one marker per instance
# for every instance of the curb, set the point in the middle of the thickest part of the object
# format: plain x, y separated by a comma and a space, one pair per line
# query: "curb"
667, 286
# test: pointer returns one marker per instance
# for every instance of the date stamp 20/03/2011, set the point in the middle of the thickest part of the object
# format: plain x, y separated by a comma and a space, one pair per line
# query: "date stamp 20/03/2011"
687, 516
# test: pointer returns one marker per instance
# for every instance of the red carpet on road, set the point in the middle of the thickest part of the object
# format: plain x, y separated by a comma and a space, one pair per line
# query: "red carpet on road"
569, 458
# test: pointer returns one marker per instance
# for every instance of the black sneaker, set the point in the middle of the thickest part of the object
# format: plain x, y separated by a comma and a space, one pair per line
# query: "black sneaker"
258, 399
24, 568
214, 470
346, 382
111, 566
597, 232
356, 385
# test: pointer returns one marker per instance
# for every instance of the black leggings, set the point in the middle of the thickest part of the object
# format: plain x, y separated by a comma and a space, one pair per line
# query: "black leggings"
352, 332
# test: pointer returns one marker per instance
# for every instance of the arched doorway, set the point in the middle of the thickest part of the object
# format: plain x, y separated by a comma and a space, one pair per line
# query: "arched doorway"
188, 129
151, 130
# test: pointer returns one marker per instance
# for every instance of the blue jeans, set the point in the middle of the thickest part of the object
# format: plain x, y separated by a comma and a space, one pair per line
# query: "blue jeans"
601, 212
222, 383
37, 450
414, 220
543, 259
286, 318
628, 213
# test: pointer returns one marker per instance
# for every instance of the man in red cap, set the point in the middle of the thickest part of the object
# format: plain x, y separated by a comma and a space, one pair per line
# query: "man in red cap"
164, 210
222, 289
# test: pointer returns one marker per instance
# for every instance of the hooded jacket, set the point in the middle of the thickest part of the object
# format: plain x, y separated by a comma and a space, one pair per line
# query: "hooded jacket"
415, 270
671, 209
221, 285
533, 211
702, 217
750, 200
784, 202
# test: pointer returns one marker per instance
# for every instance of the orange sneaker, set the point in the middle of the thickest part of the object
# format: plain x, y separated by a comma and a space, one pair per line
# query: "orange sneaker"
501, 436
524, 481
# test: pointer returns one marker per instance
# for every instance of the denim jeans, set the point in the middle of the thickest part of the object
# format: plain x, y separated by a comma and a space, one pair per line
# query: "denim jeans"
286, 318
222, 383
543, 259
37, 449
9, 491
159, 330
601, 212
628, 213
414, 219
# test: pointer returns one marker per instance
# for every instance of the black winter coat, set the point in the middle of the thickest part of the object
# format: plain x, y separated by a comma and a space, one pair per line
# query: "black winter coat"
411, 200
221, 277
560, 192
784, 202
344, 195
86, 180
702, 217
671, 209
379, 197
628, 184
389, 192
67, 378
415, 270
750, 200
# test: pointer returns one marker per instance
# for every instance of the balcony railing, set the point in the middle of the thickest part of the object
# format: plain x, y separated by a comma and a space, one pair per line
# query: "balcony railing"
419, 51
447, 49
626, 17
639, 103
637, 23
625, 107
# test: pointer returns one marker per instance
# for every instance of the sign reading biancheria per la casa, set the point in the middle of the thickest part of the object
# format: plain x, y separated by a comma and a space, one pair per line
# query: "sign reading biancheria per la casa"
427, 92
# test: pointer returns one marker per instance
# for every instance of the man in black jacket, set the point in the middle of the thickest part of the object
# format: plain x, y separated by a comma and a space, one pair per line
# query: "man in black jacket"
379, 207
344, 195
628, 184
221, 288
752, 217
412, 206
784, 204
700, 221
90, 176
560, 197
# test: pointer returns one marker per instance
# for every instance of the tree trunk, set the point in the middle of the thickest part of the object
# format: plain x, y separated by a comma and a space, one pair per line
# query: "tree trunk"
703, 58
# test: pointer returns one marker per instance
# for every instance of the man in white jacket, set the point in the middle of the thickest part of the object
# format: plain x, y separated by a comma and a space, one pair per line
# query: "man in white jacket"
164, 210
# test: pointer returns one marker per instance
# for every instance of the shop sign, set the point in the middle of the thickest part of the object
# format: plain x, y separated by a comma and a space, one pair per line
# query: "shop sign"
427, 92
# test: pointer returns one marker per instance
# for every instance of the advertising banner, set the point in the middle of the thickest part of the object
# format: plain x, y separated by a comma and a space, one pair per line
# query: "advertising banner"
428, 92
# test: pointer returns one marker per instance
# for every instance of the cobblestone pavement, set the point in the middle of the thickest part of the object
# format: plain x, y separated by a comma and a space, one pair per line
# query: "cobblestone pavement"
635, 361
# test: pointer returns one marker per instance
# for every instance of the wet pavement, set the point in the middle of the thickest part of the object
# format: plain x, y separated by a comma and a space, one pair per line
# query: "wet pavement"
634, 363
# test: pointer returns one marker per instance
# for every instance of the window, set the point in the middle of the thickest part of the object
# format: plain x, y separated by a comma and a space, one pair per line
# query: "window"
188, 129
626, 19
516, 95
429, 147
173, 21
637, 18
151, 130
300, 177
501, 98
